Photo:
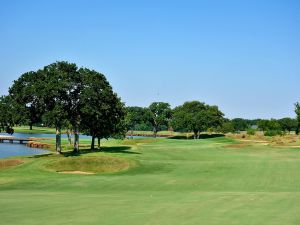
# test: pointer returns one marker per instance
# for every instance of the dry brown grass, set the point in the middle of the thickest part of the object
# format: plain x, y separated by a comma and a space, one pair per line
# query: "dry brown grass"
290, 140
9, 163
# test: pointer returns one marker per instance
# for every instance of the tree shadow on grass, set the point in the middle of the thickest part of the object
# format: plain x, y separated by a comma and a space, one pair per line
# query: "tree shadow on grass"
118, 149
201, 136
41, 156
114, 149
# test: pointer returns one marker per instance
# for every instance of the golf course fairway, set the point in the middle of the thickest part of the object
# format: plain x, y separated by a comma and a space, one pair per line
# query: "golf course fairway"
159, 182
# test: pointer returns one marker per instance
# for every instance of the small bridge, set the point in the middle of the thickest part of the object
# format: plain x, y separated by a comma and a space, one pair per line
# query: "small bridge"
14, 139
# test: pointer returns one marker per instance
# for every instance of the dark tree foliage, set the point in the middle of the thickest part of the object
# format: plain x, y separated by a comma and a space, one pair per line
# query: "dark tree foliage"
137, 118
26, 94
58, 98
102, 112
297, 111
270, 127
287, 124
240, 124
64, 95
161, 114
7, 115
226, 127
196, 117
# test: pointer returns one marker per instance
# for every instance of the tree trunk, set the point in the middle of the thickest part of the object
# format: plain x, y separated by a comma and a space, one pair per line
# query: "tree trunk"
76, 138
58, 141
131, 134
30, 126
99, 143
154, 132
195, 134
93, 142
69, 137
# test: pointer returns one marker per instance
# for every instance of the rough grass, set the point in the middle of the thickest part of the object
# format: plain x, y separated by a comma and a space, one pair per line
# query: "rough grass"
9, 163
176, 182
104, 164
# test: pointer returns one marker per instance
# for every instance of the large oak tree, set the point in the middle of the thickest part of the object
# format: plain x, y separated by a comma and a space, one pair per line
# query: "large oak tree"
196, 117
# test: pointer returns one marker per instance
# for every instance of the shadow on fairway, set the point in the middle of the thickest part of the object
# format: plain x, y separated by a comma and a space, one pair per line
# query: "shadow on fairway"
115, 149
118, 149
201, 136
41, 156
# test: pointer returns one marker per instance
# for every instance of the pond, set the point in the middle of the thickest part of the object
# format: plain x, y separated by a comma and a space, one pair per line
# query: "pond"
10, 150
15, 149
25, 135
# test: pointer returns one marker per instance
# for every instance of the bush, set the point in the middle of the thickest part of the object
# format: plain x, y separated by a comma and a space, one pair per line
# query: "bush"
251, 131
273, 132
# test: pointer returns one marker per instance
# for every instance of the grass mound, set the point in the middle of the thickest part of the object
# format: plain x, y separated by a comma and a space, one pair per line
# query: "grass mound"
9, 163
90, 165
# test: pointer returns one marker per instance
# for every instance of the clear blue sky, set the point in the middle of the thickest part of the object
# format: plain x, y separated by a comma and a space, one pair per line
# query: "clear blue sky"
243, 56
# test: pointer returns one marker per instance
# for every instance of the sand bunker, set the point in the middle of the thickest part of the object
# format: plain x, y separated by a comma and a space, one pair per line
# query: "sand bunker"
76, 172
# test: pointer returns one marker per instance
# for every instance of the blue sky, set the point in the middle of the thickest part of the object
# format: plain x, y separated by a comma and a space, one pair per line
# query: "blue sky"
243, 56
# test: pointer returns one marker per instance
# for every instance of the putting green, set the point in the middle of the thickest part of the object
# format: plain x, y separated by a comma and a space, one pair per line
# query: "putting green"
182, 182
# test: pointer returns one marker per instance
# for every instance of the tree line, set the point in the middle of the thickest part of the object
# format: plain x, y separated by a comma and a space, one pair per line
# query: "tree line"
81, 100
198, 117
192, 116
270, 127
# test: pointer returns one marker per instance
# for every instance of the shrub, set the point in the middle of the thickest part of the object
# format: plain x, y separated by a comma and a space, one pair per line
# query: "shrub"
251, 131
273, 132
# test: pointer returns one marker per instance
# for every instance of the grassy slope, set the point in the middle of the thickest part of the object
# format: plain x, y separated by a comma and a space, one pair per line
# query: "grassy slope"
176, 182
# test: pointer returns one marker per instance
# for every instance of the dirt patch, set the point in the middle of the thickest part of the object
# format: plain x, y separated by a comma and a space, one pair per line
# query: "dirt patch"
76, 172
34, 144
9, 163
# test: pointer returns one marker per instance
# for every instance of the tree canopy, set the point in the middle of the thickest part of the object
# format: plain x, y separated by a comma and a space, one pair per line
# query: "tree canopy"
161, 114
196, 117
137, 118
61, 94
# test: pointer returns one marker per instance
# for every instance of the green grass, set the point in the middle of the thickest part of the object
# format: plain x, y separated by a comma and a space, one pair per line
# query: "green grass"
35, 130
184, 182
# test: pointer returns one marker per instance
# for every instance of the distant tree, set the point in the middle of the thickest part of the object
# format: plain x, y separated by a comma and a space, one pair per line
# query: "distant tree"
196, 117
263, 125
136, 117
287, 124
270, 127
226, 127
240, 124
161, 114
297, 111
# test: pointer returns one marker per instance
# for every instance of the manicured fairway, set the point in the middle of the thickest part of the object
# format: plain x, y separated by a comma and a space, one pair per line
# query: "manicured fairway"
173, 182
